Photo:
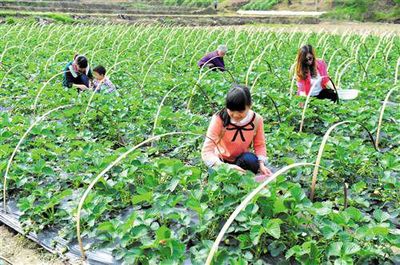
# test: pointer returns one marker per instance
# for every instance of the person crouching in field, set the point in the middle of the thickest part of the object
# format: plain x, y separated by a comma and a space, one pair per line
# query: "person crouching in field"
231, 133
78, 74
101, 82
312, 75
214, 59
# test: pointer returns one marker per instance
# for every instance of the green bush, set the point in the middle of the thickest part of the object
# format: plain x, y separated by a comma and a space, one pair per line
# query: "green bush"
197, 3
260, 4
61, 18
366, 10
10, 20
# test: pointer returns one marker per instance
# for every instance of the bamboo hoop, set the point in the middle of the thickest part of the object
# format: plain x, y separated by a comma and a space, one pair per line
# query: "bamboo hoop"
168, 50
305, 107
7, 49
38, 120
249, 197
53, 57
322, 147
204, 65
147, 72
99, 85
249, 70
255, 81
378, 130
342, 72
196, 48
340, 67
6, 260
292, 76
41, 89
234, 80
371, 57
160, 106
5, 75
319, 156
194, 87
330, 59
102, 173
396, 74
244, 203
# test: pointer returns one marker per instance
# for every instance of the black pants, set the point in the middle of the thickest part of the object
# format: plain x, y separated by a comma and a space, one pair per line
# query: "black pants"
247, 161
329, 94
82, 79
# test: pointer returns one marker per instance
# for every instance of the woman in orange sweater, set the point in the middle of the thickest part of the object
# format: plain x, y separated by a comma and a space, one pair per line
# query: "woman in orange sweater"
231, 133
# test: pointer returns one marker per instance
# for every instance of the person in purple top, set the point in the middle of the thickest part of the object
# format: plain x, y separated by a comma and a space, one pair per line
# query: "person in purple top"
214, 59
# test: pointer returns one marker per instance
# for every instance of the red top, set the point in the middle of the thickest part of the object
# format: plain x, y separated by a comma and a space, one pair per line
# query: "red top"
232, 141
305, 85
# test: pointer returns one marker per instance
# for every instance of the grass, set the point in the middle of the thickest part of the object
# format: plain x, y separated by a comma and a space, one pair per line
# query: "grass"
261, 4
366, 10
15, 16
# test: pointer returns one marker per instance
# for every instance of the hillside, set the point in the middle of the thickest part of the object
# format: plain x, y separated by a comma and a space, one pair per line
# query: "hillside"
349, 10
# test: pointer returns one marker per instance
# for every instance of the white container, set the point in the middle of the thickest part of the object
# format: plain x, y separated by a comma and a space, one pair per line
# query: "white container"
348, 94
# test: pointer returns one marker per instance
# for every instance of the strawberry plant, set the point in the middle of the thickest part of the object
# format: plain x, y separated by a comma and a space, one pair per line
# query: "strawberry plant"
159, 204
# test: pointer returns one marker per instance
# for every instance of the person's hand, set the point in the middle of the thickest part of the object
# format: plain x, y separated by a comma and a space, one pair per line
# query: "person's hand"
235, 167
81, 87
210, 65
264, 170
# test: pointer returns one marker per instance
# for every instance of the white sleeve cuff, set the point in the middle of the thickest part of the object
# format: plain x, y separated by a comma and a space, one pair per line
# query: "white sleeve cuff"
213, 162
262, 158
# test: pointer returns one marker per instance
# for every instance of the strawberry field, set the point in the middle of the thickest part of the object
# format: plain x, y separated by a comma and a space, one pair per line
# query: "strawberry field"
122, 173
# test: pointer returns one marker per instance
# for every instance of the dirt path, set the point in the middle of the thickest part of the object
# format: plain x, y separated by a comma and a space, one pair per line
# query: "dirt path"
348, 27
21, 251
278, 13
377, 29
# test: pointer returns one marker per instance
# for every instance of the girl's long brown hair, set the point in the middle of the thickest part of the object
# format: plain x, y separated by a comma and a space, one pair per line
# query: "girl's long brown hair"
302, 69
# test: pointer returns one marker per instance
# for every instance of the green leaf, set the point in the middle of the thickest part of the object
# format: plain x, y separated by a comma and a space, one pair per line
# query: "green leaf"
350, 248
359, 187
162, 233
296, 250
106, 227
334, 249
381, 216
173, 183
322, 209
328, 232
279, 206
245, 241
138, 231
255, 233
273, 228
276, 248
132, 256
354, 214
297, 193
379, 231
147, 197
341, 262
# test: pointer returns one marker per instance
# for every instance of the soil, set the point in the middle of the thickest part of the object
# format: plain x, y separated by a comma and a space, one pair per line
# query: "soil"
22, 251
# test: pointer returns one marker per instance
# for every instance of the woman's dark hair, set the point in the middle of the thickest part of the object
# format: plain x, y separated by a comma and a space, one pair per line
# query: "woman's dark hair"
237, 99
81, 61
100, 70
302, 69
